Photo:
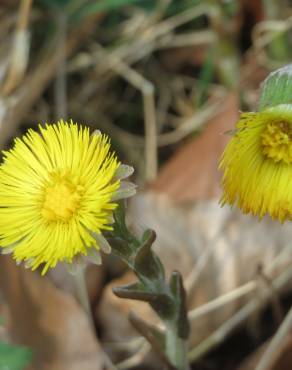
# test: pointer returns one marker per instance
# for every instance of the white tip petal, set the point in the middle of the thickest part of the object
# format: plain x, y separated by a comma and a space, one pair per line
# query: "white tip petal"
126, 190
103, 243
93, 256
6, 250
96, 132
28, 263
124, 171
110, 219
9, 249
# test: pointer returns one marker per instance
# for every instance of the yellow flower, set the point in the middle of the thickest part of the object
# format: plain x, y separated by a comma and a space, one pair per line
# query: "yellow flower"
57, 194
257, 164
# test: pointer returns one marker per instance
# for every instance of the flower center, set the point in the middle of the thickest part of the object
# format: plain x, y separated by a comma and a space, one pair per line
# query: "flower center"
277, 141
62, 199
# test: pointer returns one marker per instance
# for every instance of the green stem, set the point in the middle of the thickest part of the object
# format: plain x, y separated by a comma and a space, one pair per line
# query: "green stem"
82, 293
167, 298
176, 349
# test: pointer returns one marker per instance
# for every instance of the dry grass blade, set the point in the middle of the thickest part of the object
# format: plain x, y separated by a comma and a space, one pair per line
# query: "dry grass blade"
264, 34
280, 283
136, 359
147, 90
20, 50
61, 77
35, 83
198, 38
190, 125
239, 292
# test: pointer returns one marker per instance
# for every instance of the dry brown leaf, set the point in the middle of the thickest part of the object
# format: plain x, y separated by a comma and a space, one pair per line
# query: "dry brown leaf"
49, 321
237, 246
187, 227
120, 339
113, 312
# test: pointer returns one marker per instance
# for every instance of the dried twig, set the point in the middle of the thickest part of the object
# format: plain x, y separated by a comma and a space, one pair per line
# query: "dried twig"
61, 82
236, 320
264, 34
147, 90
136, 359
221, 301
193, 277
275, 299
190, 125
20, 50
131, 51
238, 292
14, 107
198, 38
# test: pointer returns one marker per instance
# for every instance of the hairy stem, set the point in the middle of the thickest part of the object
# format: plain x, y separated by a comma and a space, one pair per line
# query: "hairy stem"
176, 349
167, 298
82, 293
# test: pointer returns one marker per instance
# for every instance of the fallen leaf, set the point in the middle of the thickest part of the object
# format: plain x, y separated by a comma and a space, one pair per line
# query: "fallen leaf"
221, 246
49, 321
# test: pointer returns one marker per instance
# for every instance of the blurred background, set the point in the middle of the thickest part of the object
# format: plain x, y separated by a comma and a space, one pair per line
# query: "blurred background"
166, 80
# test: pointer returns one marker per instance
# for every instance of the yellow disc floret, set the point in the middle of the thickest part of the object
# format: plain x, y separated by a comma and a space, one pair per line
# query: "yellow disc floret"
257, 164
62, 199
277, 141
56, 193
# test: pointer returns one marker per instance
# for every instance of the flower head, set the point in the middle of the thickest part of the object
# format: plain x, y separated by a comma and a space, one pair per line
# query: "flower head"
57, 194
257, 164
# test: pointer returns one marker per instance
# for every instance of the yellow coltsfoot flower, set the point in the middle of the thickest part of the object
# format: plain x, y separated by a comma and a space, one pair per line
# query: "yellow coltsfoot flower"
257, 164
57, 194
